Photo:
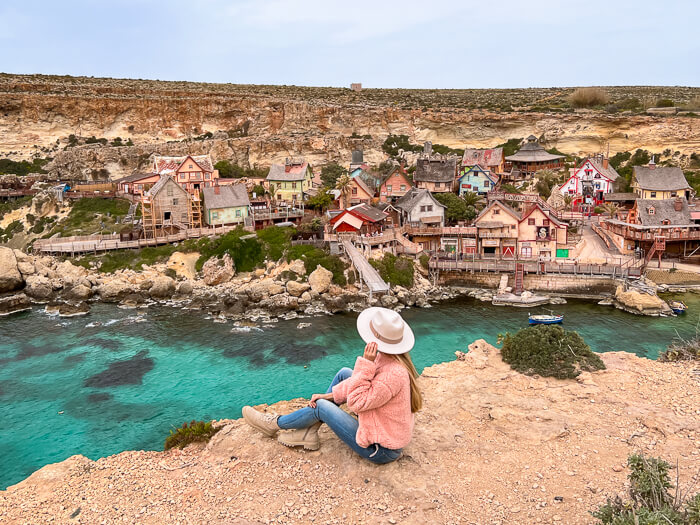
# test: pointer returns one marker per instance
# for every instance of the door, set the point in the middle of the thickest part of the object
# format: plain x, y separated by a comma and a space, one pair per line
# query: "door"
508, 252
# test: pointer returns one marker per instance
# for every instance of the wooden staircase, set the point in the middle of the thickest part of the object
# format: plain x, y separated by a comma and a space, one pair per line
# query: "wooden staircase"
659, 247
148, 216
194, 211
519, 276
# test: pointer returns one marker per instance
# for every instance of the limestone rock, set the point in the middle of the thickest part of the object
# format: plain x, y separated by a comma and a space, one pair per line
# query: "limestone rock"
68, 309
71, 274
296, 289
185, 288
275, 289
640, 303
297, 266
39, 287
10, 276
115, 289
163, 287
25, 264
389, 301
218, 270
320, 279
80, 292
184, 264
13, 304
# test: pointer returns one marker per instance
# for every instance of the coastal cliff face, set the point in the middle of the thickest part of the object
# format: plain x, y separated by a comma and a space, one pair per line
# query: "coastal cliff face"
270, 123
490, 446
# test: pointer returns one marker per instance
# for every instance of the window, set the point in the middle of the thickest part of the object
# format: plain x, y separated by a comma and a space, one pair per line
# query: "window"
294, 185
403, 187
531, 222
651, 210
653, 195
437, 185
512, 226
175, 201
397, 175
207, 176
238, 213
429, 207
214, 215
169, 191
526, 252
496, 212
166, 216
354, 190
190, 167
388, 188
422, 208
673, 194
545, 222
182, 176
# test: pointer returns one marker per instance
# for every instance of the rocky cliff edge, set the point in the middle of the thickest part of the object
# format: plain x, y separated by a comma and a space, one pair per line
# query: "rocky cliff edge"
490, 446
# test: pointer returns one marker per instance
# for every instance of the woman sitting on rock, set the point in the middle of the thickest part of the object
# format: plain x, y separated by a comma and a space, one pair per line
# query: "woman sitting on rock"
382, 390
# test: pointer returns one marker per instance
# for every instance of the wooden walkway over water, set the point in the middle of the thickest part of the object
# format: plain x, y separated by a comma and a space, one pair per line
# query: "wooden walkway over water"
615, 271
368, 274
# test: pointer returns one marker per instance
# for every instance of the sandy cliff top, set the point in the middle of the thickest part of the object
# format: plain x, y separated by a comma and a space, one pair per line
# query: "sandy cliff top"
490, 446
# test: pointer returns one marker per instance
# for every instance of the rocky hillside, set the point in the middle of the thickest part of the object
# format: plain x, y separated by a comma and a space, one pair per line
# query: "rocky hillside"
490, 446
263, 124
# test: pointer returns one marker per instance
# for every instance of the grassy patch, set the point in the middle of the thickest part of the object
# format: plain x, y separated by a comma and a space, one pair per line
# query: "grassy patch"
91, 215
549, 351
312, 257
682, 350
397, 271
195, 432
115, 260
22, 167
7, 207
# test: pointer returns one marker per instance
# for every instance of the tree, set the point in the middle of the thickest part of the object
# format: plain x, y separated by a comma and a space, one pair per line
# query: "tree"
330, 174
321, 201
457, 208
546, 179
473, 199
225, 169
344, 184
259, 190
611, 208
568, 200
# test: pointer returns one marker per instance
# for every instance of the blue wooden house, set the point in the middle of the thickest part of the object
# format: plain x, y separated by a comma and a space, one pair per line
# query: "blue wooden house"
476, 179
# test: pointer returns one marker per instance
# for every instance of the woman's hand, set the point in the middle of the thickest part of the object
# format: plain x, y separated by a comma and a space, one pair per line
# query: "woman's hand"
370, 351
316, 397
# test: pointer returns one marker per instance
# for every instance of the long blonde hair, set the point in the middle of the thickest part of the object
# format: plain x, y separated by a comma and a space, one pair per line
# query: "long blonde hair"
416, 396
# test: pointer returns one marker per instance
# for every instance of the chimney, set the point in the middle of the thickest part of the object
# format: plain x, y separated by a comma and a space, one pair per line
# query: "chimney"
428, 148
217, 190
652, 164
678, 204
606, 163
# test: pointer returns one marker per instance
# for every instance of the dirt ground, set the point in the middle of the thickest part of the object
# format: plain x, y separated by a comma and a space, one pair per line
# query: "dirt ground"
491, 446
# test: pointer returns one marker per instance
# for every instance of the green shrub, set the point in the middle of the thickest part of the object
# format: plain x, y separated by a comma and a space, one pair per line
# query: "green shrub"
330, 173
549, 351
651, 501
456, 207
170, 272
276, 241
682, 350
195, 432
664, 103
510, 146
424, 260
247, 254
397, 271
394, 143
22, 167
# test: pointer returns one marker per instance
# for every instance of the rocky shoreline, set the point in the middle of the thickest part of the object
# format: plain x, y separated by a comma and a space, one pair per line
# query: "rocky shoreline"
281, 290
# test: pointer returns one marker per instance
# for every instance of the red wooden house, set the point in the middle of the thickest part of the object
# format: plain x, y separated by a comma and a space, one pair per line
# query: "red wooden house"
361, 219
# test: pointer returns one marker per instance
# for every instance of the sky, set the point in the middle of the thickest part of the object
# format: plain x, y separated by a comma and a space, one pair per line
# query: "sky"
381, 43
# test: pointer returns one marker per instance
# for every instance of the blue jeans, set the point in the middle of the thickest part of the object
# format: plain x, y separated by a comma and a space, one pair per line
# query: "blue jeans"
340, 422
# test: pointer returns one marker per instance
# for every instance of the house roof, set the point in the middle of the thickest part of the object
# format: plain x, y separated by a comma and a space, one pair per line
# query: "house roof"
502, 206
231, 196
369, 213
167, 165
608, 172
482, 157
135, 176
532, 151
361, 183
660, 178
619, 197
487, 173
413, 197
549, 216
435, 168
663, 210
162, 182
288, 171
401, 171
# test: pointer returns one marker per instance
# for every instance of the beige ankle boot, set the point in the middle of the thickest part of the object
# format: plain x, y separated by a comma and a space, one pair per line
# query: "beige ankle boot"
303, 437
264, 422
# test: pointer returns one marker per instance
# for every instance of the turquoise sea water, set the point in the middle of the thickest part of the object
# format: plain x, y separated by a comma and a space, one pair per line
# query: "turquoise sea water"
118, 379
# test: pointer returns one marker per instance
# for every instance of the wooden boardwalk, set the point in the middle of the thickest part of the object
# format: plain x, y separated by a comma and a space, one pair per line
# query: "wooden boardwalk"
102, 243
615, 271
368, 274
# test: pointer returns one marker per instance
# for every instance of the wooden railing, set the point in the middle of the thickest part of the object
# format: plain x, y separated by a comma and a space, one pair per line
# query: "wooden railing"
640, 235
606, 270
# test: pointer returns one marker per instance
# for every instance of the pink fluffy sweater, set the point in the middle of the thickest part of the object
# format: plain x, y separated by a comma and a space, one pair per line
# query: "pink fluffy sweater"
379, 393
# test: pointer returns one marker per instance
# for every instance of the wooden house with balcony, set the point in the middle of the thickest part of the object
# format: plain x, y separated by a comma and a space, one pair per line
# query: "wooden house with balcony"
657, 182
488, 159
361, 219
476, 179
673, 220
532, 157
225, 205
134, 185
290, 182
192, 172
435, 173
167, 208
497, 232
590, 182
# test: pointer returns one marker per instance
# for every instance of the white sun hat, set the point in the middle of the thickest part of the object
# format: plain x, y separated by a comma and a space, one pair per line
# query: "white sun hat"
386, 328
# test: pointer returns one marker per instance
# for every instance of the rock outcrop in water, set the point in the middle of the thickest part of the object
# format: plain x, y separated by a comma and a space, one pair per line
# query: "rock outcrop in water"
490, 446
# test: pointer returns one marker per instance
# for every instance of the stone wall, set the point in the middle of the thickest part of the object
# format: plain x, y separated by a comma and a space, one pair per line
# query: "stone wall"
563, 284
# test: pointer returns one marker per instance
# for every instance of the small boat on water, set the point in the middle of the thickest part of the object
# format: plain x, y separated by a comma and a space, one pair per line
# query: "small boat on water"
545, 319
678, 307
